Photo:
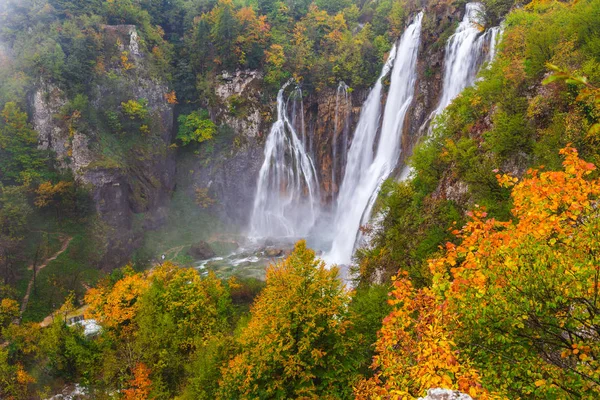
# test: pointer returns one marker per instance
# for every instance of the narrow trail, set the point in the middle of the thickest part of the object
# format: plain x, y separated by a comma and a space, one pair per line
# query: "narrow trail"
63, 248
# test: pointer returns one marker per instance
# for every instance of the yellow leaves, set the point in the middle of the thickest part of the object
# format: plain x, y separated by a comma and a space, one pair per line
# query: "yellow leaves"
540, 382
295, 329
144, 129
9, 309
125, 63
275, 56
135, 109
47, 192
472, 391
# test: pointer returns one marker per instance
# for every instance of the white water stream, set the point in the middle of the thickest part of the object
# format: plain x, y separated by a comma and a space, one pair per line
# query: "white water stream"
288, 203
465, 53
287, 200
365, 172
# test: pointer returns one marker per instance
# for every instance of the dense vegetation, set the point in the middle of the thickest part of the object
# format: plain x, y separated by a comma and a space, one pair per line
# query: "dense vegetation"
489, 253
69, 48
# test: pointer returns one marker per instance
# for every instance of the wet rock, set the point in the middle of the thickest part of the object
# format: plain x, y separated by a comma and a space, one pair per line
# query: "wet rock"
201, 251
273, 252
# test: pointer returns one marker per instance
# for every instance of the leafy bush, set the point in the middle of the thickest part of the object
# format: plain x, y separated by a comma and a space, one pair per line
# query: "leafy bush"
195, 127
136, 109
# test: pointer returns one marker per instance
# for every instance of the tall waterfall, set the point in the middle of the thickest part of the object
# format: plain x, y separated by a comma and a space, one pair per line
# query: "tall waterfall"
365, 173
341, 124
465, 54
287, 199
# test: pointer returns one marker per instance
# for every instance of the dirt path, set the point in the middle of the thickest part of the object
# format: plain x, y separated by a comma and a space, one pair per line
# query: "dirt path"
63, 248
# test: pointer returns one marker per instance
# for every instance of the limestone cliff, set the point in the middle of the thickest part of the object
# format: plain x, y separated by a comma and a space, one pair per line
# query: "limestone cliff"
227, 169
127, 172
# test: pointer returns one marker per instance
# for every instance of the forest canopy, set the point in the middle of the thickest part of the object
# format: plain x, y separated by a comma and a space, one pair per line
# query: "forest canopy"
481, 274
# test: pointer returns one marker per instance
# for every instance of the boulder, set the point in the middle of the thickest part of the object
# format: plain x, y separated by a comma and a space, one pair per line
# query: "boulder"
201, 251
273, 252
445, 394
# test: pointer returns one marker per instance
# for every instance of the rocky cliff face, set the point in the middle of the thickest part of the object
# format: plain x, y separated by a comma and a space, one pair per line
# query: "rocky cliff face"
439, 23
138, 176
229, 172
142, 181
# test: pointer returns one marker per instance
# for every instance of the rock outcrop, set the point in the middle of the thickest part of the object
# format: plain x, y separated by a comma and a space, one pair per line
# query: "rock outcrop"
445, 394
137, 174
201, 251
228, 173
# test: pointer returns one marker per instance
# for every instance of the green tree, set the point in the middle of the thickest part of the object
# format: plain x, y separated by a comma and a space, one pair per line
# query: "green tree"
333, 6
180, 313
14, 219
20, 159
195, 127
223, 33
294, 345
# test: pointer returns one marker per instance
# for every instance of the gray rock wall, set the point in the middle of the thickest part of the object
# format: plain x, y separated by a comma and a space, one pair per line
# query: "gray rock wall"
143, 178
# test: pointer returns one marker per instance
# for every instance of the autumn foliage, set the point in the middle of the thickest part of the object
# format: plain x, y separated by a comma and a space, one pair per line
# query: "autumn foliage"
140, 385
292, 346
513, 307
416, 351
116, 306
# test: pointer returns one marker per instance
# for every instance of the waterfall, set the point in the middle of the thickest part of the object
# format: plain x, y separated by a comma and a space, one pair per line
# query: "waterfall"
287, 198
494, 33
465, 54
341, 123
297, 113
365, 173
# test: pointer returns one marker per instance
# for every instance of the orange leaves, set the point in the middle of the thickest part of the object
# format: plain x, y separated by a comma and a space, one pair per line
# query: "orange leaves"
523, 274
416, 350
22, 377
171, 97
141, 385
503, 282
114, 307
197, 302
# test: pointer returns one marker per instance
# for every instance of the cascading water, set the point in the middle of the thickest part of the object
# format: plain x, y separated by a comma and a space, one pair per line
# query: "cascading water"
341, 124
494, 33
287, 198
465, 54
365, 173
296, 117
